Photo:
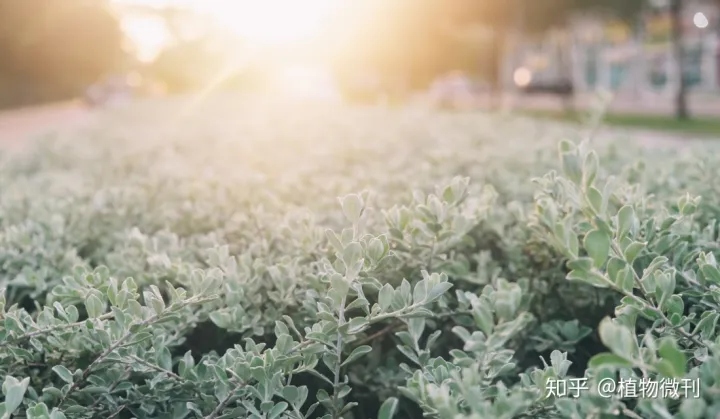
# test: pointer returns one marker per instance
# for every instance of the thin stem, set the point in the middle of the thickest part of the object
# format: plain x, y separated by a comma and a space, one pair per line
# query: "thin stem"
114, 385
104, 355
120, 342
218, 410
338, 353
117, 412
157, 368
394, 327
47, 330
638, 281
645, 296
431, 257
655, 309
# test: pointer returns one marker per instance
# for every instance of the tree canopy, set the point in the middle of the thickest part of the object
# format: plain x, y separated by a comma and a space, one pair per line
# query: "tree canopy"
52, 49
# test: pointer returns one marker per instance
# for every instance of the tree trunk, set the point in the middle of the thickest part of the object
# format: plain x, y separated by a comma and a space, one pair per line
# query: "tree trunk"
566, 71
499, 56
681, 108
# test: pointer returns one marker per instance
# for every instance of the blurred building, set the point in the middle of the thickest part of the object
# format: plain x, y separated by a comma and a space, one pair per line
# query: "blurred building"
602, 54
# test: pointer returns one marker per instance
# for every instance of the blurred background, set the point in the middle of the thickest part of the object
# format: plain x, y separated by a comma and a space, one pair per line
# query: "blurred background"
657, 57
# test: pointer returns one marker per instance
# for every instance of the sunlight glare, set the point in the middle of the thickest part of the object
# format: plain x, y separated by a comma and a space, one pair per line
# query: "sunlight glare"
522, 77
149, 35
700, 20
271, 21
307, 83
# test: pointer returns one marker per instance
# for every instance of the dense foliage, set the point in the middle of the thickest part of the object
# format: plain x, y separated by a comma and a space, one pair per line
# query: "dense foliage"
225, 260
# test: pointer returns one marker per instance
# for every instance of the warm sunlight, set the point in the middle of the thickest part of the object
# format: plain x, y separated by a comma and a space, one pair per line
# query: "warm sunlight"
272, 21
150, 36
262, 22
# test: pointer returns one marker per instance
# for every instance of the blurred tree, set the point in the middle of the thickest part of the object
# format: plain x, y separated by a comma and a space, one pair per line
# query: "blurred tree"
51, 50
674, 13
676, 39
195, 64
417, 40
198, 54
398, 46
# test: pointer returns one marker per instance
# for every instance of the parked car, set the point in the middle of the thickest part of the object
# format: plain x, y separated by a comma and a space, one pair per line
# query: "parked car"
530, 83
555, 87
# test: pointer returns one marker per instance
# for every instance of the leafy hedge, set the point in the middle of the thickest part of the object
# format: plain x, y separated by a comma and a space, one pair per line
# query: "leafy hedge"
194, 261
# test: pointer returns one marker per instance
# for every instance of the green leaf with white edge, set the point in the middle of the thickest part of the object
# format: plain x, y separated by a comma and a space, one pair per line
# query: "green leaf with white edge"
582, 264
334, 240
277, 410
676, 359
14, 393
590, 168
420, 291
654, 265
385, 297
595, 198
674, 305
357, 353
352, 254
291, 394
665, 282
633, 250
711, 273
626, 279
706, 325
608, 359
39, 411
618, 338
597, 244
388, 408
93, 306
339, 284
693, 408
483, 317
375, 249
352, 207
437, 291
626, 220
63, 373
56, 414
571, 166
593, 278
356, 325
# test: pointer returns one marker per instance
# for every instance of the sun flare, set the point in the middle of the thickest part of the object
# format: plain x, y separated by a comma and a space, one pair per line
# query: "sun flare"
271, 21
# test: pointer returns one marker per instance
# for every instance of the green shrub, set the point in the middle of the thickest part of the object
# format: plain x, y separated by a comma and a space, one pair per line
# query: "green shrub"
192, 260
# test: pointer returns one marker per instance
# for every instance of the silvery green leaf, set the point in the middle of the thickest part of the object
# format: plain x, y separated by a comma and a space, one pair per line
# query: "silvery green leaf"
352, 206
597, 244
94, 306
385, 297
14, 392
388, 408
63, 373
356, 354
